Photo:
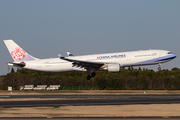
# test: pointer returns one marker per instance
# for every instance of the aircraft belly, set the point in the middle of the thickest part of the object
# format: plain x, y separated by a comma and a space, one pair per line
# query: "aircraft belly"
61, 67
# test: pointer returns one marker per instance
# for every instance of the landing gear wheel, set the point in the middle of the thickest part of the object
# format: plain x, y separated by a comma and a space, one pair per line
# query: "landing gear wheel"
159, 68
93, 74
88, 77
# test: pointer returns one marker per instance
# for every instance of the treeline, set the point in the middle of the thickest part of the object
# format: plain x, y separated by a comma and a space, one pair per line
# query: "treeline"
126, 79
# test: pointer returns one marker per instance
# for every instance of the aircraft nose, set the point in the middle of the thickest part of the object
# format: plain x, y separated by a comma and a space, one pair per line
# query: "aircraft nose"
174, 56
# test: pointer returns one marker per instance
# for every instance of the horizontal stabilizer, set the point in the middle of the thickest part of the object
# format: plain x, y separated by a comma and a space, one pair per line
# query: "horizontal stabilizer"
21, 64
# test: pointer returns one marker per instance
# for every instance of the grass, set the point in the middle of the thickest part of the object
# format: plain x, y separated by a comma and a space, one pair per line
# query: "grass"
74, 92
56, 106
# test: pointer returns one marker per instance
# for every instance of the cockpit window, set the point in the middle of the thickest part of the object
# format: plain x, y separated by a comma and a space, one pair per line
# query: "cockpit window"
169, 53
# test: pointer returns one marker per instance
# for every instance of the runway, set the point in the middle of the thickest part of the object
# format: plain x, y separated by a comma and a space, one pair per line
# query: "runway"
94, 100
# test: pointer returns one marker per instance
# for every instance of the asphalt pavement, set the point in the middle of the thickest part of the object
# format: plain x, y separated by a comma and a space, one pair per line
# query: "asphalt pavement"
98, 100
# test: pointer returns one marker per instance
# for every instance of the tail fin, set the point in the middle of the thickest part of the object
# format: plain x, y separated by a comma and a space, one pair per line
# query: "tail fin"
69, 54
17, 53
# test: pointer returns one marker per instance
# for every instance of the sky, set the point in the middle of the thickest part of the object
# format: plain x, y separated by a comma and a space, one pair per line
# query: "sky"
46, 28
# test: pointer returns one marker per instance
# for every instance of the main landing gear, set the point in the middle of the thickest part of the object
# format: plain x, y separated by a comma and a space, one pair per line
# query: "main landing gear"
93, 74
159, 68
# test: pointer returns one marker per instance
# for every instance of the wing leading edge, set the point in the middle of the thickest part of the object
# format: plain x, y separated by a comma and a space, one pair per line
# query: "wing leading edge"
84, 63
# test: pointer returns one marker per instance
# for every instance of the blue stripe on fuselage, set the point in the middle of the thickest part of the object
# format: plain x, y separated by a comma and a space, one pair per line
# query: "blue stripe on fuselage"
160, 59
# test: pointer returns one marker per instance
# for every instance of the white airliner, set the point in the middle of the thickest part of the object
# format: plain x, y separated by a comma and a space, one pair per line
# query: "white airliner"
112, 62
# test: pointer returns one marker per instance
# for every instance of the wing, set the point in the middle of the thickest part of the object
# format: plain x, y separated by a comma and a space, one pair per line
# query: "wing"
84, 63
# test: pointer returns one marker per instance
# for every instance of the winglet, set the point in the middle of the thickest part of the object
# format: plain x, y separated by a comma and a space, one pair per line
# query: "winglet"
62, 57
69, 54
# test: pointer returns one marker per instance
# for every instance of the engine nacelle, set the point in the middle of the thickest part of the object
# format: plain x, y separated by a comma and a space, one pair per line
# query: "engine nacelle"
113, 67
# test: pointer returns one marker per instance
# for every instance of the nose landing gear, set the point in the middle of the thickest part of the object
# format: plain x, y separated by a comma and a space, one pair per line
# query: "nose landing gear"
159, 68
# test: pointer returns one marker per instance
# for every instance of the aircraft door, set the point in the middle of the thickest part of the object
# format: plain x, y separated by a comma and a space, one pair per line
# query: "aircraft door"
128, 57
39, 64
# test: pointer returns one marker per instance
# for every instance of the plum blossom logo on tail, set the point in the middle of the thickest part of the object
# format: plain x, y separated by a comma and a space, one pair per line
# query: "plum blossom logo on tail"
18, 53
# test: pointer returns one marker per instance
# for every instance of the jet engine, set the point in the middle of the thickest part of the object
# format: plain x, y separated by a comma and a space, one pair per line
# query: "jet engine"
113, 67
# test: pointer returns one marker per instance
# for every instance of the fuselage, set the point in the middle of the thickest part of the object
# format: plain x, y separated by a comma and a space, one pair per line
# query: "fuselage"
124, 59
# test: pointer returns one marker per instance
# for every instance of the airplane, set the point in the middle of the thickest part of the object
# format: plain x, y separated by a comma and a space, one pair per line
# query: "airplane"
111, 62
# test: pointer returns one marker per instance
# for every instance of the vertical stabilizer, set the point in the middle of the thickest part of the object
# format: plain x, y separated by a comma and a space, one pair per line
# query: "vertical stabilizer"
17, 53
